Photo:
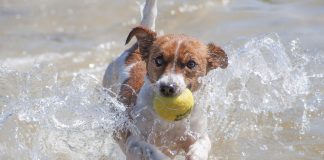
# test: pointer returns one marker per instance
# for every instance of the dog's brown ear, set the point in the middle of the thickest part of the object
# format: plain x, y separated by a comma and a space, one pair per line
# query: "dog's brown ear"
145, 38
216, 57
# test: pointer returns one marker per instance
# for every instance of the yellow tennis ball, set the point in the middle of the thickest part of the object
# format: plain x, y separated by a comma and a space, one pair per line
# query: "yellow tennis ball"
174, 108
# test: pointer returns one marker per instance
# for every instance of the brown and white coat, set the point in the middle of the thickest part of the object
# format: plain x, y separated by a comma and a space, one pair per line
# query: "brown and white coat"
164, 65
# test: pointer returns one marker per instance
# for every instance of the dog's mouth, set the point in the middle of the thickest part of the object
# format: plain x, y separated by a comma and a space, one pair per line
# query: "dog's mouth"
189, 86
168, 95
174, 108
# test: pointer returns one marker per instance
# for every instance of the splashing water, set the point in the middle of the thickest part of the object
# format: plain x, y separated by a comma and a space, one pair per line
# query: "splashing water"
42, 118
266, 102
266, 105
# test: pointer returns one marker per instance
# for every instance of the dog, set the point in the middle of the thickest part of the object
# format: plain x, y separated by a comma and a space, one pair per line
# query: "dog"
164, 65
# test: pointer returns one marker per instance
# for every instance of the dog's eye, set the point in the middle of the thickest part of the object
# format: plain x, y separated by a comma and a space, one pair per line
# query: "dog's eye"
191, 64
159, 61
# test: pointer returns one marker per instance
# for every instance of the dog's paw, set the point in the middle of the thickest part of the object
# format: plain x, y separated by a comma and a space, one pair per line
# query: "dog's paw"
138, 150
197, 151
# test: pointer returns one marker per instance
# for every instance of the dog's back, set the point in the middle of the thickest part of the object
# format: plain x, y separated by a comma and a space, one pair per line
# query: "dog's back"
125, 75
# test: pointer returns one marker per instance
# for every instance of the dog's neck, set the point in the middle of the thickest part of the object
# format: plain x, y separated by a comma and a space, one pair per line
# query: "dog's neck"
145, 97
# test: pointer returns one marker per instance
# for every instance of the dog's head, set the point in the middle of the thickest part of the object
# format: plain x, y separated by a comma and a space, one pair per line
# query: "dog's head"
175, 62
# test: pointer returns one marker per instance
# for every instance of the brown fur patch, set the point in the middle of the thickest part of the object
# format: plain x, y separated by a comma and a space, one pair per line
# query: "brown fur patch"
188, 49
193, 50
145, 38
132, 85
217, 57
134, 57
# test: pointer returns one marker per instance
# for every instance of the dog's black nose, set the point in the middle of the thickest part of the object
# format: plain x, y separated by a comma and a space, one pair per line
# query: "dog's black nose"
168, 89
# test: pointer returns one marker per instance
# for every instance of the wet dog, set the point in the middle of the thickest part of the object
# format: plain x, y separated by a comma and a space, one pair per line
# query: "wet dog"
164, 65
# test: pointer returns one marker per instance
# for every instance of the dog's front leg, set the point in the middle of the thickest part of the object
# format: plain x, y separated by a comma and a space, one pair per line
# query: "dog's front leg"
138, 150
199, 150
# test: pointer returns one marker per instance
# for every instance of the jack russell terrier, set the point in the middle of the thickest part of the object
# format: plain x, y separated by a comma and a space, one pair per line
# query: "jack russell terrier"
164, 65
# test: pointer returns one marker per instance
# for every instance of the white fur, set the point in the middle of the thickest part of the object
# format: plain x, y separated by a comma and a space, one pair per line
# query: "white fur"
149, 14
176, 56
197, 151
116, 73
149, 125
168, 78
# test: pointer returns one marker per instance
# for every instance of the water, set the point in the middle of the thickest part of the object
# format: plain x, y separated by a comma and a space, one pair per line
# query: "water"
268, 104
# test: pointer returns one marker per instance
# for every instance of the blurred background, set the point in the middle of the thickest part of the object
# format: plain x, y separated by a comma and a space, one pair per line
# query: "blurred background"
268, 104
31, 28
